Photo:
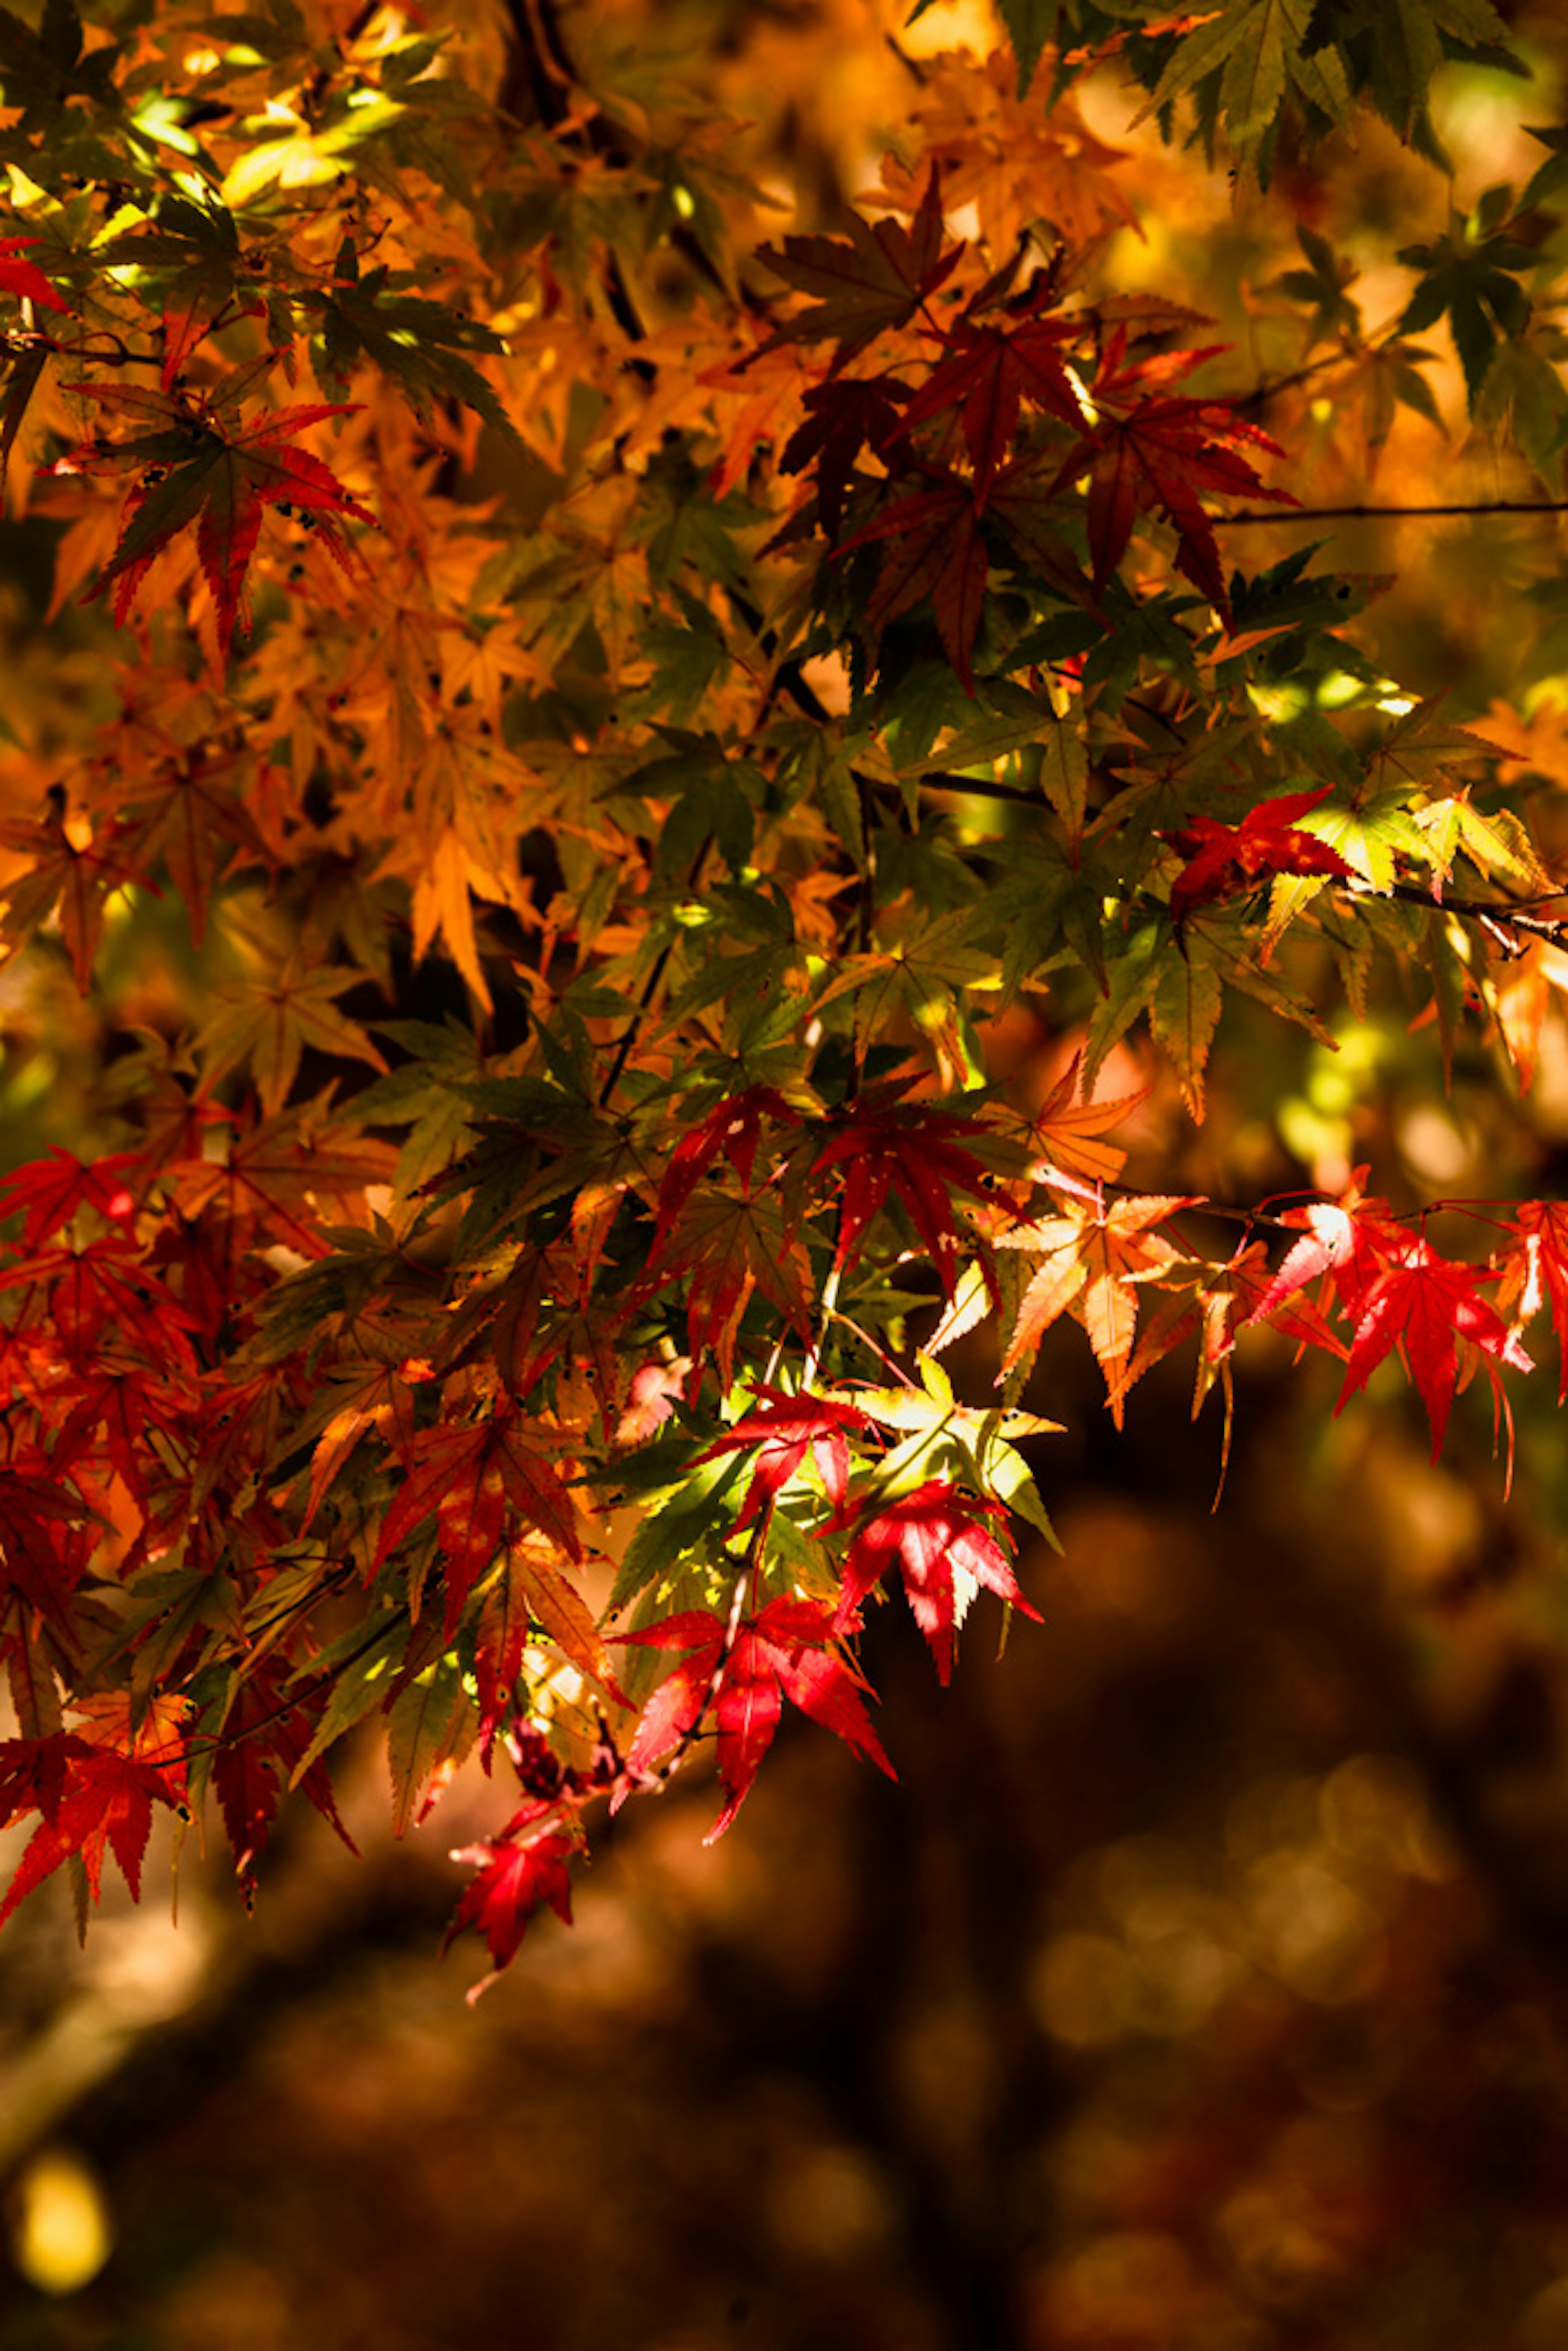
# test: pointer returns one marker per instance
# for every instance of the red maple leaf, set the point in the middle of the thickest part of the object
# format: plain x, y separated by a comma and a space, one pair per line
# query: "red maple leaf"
1424, 1306
1224, 858
1535, 1270
105, 1285
476, 1478
733, 1126
219, 476
133, 1403
42, 1550
517, 1872
261, 1740
935, 548
780, 1653
729, 1247
1157, 456
23, 278
784, 1428
934, 1537
844, 416
94, 1791
1349, 1240
51, 1190
987, 374
911, 1150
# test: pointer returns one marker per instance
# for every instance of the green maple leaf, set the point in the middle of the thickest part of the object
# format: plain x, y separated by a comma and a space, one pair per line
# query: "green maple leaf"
420, 345
1242, 64
1472, 279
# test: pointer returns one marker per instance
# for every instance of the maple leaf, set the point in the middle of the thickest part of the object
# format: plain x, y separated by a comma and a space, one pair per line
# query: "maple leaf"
733, 1126
1535, 1270
71, 871
1425, 1305
266, 1023
781, 1652
38, 1564
938, 1540
25, 278
418, 345
220, 479
988, 372
728, 1248
184, 815
518, 1872
784, 1428
1063, 1128
873, 281
844, 416
51, 1190
1157, 456
1351, 1241
1224, 858
276, 1176
889, 1146
472, 1476
94, 1790
106, 1284
936, 550
128, 1399
1092, 1257
258, 1752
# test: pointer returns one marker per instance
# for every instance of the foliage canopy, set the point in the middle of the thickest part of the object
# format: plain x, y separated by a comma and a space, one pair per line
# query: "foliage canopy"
583, 720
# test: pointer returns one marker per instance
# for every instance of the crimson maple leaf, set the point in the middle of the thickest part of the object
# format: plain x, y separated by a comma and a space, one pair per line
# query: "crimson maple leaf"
25, 278
517, 1872
51, 1190
257, 1754
844, 416
935, 548
729, 1247
909, 1149
1535, 1270
783, 1428
105, 1285
1424, 1305
477, 1477
1224, 858
201, 469
874, 280
987, 374
42, 1552
938, 1540
780, 1653
145, 1413
1350, 1240
733, 1126
94, 1791
1158, 455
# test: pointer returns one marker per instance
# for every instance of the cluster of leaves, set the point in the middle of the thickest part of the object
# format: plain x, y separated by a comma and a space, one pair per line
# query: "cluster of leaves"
607, 778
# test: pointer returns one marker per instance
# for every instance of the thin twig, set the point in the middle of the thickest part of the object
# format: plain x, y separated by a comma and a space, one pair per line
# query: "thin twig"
1392, 514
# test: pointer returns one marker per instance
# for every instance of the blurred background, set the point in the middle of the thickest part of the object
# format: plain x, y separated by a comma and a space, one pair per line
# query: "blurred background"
1201, 1985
